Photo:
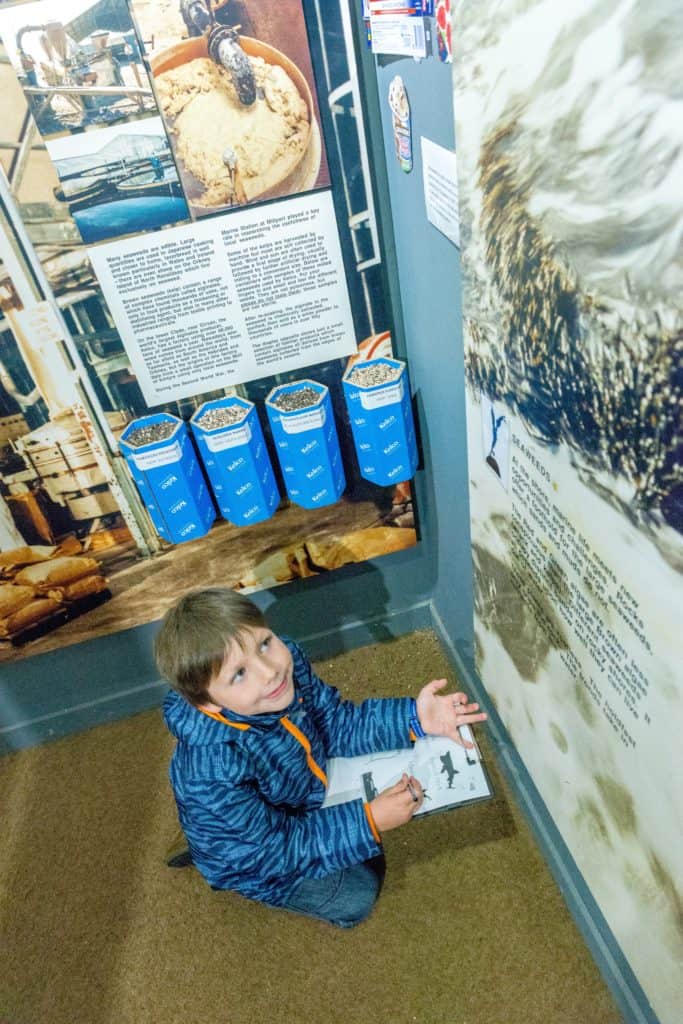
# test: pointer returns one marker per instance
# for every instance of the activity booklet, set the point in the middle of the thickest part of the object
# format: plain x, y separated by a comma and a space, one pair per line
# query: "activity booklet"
450, 775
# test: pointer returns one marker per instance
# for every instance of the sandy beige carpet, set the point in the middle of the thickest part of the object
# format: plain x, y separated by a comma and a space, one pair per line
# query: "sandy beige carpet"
94, 929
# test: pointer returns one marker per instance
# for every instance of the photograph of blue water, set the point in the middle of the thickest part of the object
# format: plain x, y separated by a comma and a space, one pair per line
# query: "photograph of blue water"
128, 216
120, 180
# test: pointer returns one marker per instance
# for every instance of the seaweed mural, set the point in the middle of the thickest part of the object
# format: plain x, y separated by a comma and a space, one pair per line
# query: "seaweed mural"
571, 214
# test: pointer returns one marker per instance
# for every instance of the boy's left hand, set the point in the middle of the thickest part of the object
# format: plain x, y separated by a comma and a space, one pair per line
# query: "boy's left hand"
441, 716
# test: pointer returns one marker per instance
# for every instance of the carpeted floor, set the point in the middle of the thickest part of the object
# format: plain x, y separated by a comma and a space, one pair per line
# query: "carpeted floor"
94, 929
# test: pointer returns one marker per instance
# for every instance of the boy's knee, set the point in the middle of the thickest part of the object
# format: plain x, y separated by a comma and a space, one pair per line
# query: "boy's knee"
363, 888
344, 898
355, 921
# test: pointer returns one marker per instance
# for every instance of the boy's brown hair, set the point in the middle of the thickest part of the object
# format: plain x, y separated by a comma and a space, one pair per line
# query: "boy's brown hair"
195, 634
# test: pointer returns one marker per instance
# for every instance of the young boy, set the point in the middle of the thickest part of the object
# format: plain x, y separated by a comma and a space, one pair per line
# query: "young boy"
255, 726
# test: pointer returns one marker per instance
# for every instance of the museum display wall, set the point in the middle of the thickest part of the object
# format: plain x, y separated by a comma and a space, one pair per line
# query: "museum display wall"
112, 320
573, 537
568, 150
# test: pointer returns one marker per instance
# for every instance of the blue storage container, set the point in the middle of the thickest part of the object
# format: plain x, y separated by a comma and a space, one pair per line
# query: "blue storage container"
169, 478
307, 445
236, 461
382, 423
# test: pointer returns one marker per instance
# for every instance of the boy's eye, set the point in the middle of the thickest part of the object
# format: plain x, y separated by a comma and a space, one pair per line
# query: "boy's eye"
238, 676
265, 644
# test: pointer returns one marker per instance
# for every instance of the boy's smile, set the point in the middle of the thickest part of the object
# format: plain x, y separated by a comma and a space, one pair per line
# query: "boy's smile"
256, 675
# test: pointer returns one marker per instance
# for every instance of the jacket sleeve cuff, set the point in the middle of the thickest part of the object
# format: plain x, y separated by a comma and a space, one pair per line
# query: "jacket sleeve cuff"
371, 823
416, 731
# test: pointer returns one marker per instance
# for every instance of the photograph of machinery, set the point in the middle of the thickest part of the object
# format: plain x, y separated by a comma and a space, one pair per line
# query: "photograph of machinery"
119, 180
58, 510
79, 63
235, 86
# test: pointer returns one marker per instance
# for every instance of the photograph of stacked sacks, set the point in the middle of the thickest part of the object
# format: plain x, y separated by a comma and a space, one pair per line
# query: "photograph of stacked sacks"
42, 587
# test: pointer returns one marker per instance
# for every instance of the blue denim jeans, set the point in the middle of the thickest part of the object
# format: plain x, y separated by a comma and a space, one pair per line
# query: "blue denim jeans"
344, 898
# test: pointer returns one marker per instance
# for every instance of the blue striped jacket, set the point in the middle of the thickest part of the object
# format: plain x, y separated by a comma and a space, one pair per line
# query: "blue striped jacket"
249, 793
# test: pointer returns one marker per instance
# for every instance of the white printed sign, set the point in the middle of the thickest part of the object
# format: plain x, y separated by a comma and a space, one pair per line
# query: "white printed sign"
440, 181
385, 396
402, 34
158, 457
228, 439
304, 421
231, 299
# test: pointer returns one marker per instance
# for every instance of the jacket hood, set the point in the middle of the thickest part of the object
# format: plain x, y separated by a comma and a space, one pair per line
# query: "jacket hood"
189, 725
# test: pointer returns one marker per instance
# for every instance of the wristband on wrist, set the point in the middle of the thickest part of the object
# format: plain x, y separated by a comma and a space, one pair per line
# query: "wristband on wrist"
415, 721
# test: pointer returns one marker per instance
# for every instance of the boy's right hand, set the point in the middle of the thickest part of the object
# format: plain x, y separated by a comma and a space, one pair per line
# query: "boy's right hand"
396, 805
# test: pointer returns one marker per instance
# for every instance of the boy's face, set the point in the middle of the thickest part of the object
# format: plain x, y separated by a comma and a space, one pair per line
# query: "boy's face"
255, 678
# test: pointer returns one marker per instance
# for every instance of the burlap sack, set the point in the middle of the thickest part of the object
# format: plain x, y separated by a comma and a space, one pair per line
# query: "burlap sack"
84, 587
13, 597
358, 546
32, 613
27, 554
281, 566
57, 572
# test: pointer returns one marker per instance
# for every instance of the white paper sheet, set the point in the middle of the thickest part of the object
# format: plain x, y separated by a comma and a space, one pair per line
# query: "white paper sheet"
440, 179
400, 34
449, 774
229, 299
